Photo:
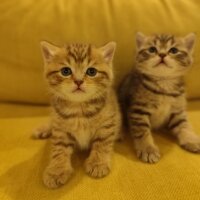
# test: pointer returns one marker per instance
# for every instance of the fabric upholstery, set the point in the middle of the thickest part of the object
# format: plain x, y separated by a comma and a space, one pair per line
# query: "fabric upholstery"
176, 176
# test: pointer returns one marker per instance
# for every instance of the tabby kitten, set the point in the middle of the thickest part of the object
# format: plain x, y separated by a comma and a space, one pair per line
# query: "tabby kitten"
85, 109
153, 95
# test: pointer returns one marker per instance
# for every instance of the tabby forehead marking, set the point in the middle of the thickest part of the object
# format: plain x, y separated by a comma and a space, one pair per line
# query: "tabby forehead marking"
163, 39
79, 52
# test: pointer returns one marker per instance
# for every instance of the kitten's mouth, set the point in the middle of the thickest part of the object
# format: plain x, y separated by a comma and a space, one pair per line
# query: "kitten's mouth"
161, 62
78, 90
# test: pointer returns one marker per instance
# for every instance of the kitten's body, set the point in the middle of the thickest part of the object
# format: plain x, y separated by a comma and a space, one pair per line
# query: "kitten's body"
162, 96
84, 119
155, 99
85, 112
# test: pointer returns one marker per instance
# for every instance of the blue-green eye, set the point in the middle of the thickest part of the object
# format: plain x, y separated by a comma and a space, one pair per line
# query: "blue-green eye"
173, 50
66, 71
91, 71
152, 49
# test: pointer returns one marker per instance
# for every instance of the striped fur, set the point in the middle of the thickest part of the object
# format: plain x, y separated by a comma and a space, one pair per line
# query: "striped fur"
153, 101
86, 119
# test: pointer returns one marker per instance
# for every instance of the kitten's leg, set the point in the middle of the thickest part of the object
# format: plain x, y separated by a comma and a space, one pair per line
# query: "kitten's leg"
181, 128
98, 163
140, 129
42, 132
59, 169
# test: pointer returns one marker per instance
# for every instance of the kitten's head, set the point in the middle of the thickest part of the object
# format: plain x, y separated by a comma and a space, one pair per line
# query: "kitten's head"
78, 72
164, 55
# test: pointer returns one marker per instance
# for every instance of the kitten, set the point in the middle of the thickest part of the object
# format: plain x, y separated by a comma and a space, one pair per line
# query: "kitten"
153, 95
85, 109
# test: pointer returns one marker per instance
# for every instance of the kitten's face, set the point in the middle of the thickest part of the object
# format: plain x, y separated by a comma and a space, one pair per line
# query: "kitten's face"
78, 72
164, 55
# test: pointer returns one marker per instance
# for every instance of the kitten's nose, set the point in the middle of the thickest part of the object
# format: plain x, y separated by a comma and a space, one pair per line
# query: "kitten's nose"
162, 55
78, 82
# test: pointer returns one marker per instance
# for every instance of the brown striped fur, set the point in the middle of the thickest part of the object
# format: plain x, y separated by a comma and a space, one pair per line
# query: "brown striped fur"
152, 95
86, 118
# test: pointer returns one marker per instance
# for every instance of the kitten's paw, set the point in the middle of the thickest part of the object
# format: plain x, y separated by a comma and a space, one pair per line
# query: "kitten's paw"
149, 154
97, 169
42, 132
193, 147
54, 178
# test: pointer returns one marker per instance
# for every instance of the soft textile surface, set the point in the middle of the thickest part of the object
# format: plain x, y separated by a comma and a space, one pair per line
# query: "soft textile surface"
26, 22
176, 176
8, 110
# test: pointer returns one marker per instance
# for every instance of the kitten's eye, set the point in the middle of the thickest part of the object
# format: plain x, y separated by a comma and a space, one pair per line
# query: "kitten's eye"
66, 71
152, 49
173, 50
91, 71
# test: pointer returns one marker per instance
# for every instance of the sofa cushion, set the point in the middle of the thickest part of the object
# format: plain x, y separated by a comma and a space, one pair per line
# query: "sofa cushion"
25, 23
176, 176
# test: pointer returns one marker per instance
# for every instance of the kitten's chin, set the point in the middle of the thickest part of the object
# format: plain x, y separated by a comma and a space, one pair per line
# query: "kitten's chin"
78, 97
161, 72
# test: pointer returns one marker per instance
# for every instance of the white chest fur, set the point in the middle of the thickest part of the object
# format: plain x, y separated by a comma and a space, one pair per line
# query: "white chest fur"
161, 114
82, 130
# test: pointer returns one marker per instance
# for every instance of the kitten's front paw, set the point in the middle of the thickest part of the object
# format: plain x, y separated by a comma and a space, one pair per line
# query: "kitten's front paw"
54, 178
97, 169
190, 143
193, 147
149, 154
42, 132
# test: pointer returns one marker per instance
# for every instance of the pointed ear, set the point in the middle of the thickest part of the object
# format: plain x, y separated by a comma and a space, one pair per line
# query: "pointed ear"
108, 51
190, 41
48, 50
140, 38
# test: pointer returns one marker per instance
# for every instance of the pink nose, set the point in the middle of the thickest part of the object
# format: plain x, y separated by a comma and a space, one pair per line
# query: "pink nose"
162, 55
78, 82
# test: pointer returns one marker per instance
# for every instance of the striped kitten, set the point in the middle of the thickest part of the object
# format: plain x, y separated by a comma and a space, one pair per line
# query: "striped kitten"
85, 109
153, 94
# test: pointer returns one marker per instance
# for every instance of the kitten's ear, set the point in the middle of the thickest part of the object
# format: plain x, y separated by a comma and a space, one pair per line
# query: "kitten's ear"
48, 50
140, 38
108, 51
190, 41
